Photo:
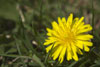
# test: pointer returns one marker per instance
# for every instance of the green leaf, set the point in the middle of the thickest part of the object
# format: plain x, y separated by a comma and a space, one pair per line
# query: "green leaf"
38, 60
8, 10
97, 64
81, 60
12, 50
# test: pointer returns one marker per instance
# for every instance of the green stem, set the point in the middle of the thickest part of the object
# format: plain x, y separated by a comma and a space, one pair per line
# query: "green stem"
92, 18
41, 9
19, 51
59, 8
14, 56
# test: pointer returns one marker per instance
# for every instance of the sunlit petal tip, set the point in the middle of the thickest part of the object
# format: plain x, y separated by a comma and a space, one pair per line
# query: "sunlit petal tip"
91, 28
70, 18
59, 18
48, 34
82, 18
54, 58
53, 23
64, 19
91, 44
81, 53
91, 37
68, 59
44, 44
86, 49
71, 14
76, 59
48, 29
61, 61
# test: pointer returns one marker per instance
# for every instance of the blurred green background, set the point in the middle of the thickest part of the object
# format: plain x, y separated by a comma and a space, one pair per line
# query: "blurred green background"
23, 26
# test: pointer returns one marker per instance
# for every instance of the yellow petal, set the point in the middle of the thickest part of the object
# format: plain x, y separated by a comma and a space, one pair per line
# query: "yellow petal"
69, 53
55, 26
74, 50
80, 21
80, 52
84, 37
50, 40
75, 23
52, 33
64, 20
52, 46
79, 44
75, 57
86, 49
81, 25
57, 52
49, 48
85, 28
62, 54
69, 21
87, 43
61, 24
57, 29
59, 20
49, 34
49, 30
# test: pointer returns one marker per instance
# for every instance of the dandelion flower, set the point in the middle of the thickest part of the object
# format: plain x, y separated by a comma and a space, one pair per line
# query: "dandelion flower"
68, 38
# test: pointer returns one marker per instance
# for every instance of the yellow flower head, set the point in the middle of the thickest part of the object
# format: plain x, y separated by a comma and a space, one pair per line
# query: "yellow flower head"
68, 38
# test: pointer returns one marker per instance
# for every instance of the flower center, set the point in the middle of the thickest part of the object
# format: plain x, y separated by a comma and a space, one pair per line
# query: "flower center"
68, 38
